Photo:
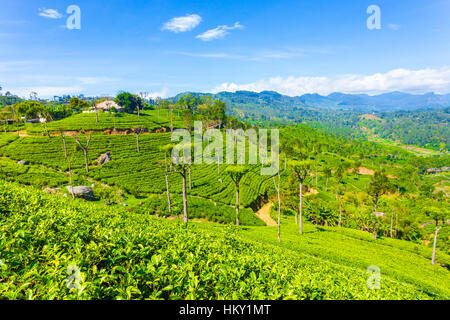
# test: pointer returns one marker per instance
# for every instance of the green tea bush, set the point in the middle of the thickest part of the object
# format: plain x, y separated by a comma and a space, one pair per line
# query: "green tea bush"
124, 255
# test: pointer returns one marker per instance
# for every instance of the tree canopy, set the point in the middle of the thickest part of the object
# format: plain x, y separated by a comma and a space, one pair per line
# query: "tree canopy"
129, 102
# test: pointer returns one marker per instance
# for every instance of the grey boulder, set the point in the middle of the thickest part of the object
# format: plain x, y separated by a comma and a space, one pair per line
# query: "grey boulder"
82, 192
104, 158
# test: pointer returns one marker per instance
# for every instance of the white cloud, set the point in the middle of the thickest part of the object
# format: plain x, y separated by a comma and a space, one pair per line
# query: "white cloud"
50, 13
413, 81
261, 55
48, 86
182, 24
165, 92
95, 80
46, 91
219, 32
394, 26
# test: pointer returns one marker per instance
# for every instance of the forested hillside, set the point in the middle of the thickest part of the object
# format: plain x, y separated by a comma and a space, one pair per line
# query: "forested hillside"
380, 116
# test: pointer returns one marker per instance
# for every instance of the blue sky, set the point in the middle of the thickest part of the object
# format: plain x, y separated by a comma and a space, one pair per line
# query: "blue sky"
167, 47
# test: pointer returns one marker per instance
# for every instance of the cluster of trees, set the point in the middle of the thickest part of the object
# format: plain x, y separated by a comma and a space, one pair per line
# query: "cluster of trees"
424, 128
129, 102
31, 109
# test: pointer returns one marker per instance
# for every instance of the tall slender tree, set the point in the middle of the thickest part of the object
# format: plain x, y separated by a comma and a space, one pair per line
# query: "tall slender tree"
138, 131
181, 166
327, 172
96, 112
236, 172
440, 218
85, 148
69, 158
300, 169
378, 186
166, 168
277, 188
63, 138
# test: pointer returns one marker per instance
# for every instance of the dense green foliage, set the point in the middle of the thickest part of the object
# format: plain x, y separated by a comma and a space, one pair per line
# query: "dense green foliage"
128, 101
423, 128
133, 256
428, 128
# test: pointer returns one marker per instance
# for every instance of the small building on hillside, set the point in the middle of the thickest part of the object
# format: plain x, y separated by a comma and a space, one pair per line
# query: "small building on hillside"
107, 105
36, 120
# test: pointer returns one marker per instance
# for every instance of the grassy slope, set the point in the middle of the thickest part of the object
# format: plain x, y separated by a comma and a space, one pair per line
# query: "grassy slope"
131, 256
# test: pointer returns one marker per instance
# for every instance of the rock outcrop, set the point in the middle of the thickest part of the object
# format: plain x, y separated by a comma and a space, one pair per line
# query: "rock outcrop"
104, 158
82, 192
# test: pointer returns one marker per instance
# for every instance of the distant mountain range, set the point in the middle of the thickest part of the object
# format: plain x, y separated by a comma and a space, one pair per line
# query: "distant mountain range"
393, 101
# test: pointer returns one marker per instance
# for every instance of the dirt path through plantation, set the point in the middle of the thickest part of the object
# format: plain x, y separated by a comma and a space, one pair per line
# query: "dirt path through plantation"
264, 214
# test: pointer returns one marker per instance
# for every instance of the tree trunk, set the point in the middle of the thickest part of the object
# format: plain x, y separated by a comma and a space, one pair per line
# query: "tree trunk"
168, 193
137, 143
86, 160
64, 145
374, 231
392, 221
396, 225
171, 119
139, 113
316, 178
326, 185
96, 115
71, 180
300, 218
277, 187
434, 245
279, 209
340, 213
185, 209
237, 204
46, 129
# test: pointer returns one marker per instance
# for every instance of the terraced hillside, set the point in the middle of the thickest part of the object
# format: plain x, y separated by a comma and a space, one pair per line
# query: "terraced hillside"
135, 178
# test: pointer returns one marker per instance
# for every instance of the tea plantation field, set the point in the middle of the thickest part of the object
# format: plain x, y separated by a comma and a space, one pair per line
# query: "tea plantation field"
124, 255
136, 173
